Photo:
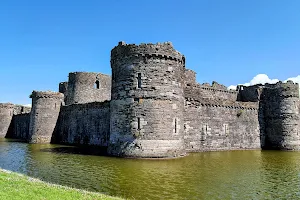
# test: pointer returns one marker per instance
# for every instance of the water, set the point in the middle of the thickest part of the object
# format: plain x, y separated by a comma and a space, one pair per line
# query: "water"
208, 175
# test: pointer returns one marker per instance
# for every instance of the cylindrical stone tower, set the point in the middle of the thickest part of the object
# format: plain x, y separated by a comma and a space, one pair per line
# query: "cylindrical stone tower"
6, 113
86, 87
147, 101
44, 114
282, 117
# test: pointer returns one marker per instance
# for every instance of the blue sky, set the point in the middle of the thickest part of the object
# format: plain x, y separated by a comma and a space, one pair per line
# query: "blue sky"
228, 41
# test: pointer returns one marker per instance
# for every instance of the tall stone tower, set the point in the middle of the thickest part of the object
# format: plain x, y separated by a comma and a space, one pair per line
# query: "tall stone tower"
86, 87
6, 113
282, 117
44, 114
147, 101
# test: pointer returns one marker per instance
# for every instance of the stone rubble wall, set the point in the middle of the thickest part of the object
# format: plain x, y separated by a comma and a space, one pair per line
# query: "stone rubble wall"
200, 91
44, 115
82, 88
19, 128
212, 125
83, 124
6, 113
190, 77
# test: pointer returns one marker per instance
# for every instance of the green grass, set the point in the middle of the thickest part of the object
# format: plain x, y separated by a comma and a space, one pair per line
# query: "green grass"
15, 186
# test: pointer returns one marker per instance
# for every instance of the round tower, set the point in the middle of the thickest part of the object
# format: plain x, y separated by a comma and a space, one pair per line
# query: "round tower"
282, 117
147, 101
44, 114
86, 87
6, 113
290, 116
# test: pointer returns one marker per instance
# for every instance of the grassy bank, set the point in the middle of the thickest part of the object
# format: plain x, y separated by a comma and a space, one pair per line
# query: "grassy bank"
15, 186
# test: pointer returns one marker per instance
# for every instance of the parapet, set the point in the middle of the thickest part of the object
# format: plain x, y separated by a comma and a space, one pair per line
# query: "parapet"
82, 77
260, 92
190, 77
20, 109
229, 104
6, 105
288, 89
46, 94
159, 50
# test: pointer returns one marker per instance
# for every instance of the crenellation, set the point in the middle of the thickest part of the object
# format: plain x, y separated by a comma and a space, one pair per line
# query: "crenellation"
153, 107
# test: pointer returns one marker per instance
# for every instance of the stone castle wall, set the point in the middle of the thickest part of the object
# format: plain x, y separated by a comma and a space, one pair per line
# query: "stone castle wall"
86, 87
44, 115
6, 113
153, 107
147, 101
19, 127
213, 125
83, 124
209, 92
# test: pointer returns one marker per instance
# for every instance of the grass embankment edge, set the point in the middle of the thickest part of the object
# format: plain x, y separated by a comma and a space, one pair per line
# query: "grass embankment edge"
16, 186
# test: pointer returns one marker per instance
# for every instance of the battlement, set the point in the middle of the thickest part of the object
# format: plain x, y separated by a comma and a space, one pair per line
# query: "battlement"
6, 105
164, 51
268, 91
204, 102
199, 91
83, 77
20, 109
46, 94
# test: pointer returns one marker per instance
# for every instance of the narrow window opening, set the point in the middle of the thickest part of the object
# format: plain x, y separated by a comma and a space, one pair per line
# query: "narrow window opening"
22, 109
139, 80
225, 127
139, 123
97, 85
175, 125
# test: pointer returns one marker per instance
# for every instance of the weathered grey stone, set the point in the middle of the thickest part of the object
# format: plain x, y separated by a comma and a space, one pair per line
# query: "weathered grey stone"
44, 115
83, 124
147, 101
86, 87
152, 107
6, 113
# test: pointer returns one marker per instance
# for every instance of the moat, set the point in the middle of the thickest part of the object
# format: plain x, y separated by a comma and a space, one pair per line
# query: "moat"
251, 174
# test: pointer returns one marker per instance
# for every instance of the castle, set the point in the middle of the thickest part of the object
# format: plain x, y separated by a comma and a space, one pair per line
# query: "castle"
152, 107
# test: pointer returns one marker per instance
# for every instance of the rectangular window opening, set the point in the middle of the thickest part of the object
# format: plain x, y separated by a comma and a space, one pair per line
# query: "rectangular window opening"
139, 80
175, 125
139, 123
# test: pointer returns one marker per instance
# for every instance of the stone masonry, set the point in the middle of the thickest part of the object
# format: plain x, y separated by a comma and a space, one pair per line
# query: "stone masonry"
44, 115
153, 107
